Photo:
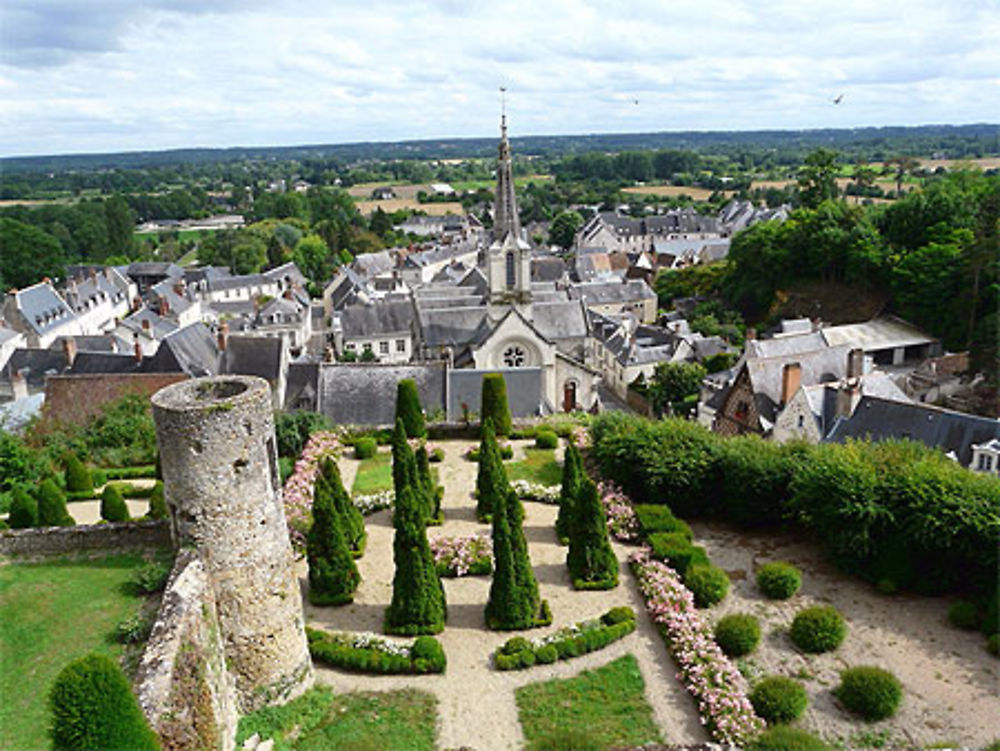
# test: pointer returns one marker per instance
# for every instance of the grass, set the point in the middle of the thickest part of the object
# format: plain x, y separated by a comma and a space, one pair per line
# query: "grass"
374, 474
539, 465
52, 613
318, 720
595, 710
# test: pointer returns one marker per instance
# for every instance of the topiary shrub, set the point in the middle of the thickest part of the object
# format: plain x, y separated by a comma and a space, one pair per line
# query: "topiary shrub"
569, 490
784, 738
818, 629
408, 408
157, 503
656, 518
778, 580
709, 584
546, 439
429, 649
591, 561
868, 691
23, 510
113, 508
737, 634
547, 655
365, 448
676, 550
333, 575
78, 477
619, 614
964, 614
778, 699
52, 510
494, 403
93, 709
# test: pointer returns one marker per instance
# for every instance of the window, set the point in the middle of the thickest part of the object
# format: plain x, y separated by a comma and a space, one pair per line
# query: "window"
368, 346
514, 357
383, 348
802, 421
401, 345
510, 270
985, 463
350, 346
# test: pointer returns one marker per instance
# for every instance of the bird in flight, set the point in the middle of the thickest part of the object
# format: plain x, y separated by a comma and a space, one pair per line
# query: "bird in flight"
838, 99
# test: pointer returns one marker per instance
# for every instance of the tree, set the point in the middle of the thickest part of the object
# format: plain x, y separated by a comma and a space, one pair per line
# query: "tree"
418, 604
513, 602
29, 254
78, 476
52, 511
408, 408
491, 480
672, 383
817, 178
406, 474
564, 228
591, 561
93, 709
333, 576
23, 510
120, 222
430, 490
902, 165
352, 522
494, 403
572, 475
113, 508
312, 256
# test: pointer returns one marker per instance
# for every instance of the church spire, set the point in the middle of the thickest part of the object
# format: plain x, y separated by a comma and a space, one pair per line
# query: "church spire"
505, 218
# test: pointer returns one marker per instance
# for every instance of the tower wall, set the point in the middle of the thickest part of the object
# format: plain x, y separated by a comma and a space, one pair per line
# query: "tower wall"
220, 474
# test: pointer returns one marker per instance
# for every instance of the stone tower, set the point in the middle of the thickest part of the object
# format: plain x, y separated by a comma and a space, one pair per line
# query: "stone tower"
220, 474
509, 255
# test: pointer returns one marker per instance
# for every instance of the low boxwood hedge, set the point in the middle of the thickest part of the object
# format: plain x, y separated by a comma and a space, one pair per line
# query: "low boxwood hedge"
778, 699
365, 448
785, 738
657, 518
675, 549
362, 654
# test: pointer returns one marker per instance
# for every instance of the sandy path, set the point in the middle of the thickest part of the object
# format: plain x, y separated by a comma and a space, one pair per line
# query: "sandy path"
476, 703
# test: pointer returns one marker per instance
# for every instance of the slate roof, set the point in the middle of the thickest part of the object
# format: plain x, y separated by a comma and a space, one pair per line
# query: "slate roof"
159, 327
154, 268
603, 293
785, 345
819, 366
547, 269
34, 364
190, 350
103, 343
365, 394
287, 273
92, 363
822, 397
238, 282
524, 391
301, 383
42, 308
378, 319
880, 333
453, 327
253, 355
559, 320
372, 264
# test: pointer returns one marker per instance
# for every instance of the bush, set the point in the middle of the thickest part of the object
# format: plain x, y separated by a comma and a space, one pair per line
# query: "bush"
133, 629
871, 692
23, 510
547, 655
784, 738
93, 709
993, 645
333, 575
737, 634
778, 580
339, 651
157, 503
151, 577
518, 653
292, 430
428, 650
78, 477
778, 699
408, 408
365, 448
52, 510
546, 439
991, 617
515, 645
591, 561
818, 629
620, 614
113, 508
436, 455
656, 518
676, 550
494, 403
964, 614
709, 584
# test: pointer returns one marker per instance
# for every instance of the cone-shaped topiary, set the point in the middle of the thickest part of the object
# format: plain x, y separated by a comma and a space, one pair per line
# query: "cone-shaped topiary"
351, 521
572, 475
113, 508
591, 561
157, 503
333, 577
418, 605
514, 601
93, 709
494, 403
23, 510
431, 497
78, 476
52, 511
491, 481
408, 408
405, 473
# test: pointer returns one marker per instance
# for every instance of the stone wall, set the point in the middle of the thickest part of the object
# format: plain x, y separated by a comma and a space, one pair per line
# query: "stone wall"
75, 399
186, 693
52, 541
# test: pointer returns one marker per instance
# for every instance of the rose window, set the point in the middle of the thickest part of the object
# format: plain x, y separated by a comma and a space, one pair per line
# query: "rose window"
514, 357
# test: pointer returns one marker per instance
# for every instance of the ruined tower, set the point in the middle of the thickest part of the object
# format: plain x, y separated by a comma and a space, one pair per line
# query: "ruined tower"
220, 474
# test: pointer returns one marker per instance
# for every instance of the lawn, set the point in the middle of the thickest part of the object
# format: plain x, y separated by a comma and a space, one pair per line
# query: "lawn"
374, 474
50, 614
392, 721
539, 465
595, 710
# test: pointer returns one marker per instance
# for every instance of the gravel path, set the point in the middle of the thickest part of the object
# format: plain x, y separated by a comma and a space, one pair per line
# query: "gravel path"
476, 703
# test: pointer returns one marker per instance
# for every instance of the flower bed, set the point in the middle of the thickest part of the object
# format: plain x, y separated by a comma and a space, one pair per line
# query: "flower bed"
622, 522
369, 503
706, 672
519, 653
533, 491
298, 489
463, 556
369, 653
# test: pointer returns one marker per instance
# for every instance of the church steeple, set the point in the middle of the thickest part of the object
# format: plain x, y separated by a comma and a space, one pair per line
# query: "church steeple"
509, 255
505, 218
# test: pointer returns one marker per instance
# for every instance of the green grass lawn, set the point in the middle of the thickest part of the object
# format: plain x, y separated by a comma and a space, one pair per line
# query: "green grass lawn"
539, 466
374, 474
595, 710
52, 613
317, 721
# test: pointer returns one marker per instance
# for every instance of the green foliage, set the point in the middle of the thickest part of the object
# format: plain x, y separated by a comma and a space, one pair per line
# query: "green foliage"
29, 254
123, 434
720, 361
676, 550
52, 510
491, 479
785, 738
704, 280
709, 584
653, 518
779, 700
563, 228
133, 629
817, 178
518, 653
819, 628
406, 473
431, 493
408, 408
993, 645
591, 561
292, 430
78, 476
150, 577
513, 602
546, 439
418, 605
19, 464
737, 634
871, 692
365, 448
754, 478
157, 502
494, 403
778, 580
23, 510
569, 491
425, 655
964, 614
113, 508
93, 709
673, 382
333, 576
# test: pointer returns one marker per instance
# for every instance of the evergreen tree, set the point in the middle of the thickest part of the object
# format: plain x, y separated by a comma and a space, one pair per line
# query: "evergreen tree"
23, 510
418, 605
591, 561
524, 574
572, 475
406, 474
494, 403
157, 503
408, 408
491, 481
333, 577
352, 522
113, 508
514, 600
78, 476
430, 490
52, 511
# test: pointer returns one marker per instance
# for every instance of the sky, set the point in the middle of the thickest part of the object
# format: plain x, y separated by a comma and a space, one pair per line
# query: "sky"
126, 75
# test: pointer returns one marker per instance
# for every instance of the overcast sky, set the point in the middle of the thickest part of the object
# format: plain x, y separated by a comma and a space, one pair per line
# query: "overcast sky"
122, 75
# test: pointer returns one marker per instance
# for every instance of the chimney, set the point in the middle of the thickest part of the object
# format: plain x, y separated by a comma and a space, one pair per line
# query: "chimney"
145, 324
328, 354
223, 336
751, 334
848, 396
856, 363
69, 350
791, 378
164, 306
18, 385
137, 351
287, 294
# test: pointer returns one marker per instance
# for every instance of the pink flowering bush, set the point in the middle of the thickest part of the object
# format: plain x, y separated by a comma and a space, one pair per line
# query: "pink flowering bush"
622, 521
298, 491
705, 671
463, 556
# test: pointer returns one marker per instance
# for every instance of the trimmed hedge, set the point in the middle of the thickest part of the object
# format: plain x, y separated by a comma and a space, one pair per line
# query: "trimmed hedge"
778, 580
779, 699
546, 439
365, 448
785, 738
653, 519
157, 503
113, 508
362, 654
817, 629
78, 476
709, 584
23, 510
408, 408
52, 510
494, 403
518, 653
142, 471
675, 549
871, 692
737, 634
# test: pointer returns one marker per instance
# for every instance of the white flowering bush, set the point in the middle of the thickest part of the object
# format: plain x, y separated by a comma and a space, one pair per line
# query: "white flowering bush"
533, 491
298, 490
463, 556
623, 524
369, 503
708, 675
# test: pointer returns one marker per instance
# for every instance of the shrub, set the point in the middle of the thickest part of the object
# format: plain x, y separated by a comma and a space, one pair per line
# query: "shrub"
620, 614
133, 629
292, 430
333, 575
778, 580
491, 478
964, 614
365, 448
569, 491
993, 645
871, 692
157, 503
819, 628
784, 738
709, 584
546, 439
408, 408
152, 577
515, 645
52, 510
494, 403
754, 479
93, 709
436, 455
429, 649
23, 510
78, 477
779, 699
991, 617
113, 508
547, 655
676, 550
737, 634
657, 518
514, 602
591, 561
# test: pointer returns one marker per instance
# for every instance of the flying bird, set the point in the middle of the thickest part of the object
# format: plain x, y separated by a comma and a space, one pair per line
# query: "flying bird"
838, 99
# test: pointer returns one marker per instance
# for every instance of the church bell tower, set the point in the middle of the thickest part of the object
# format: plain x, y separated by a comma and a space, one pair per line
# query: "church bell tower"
509, 254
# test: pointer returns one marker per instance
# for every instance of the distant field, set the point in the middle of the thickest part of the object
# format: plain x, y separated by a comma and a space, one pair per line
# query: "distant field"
519, 182
182, 235
36, 201
397, 204
671, 191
